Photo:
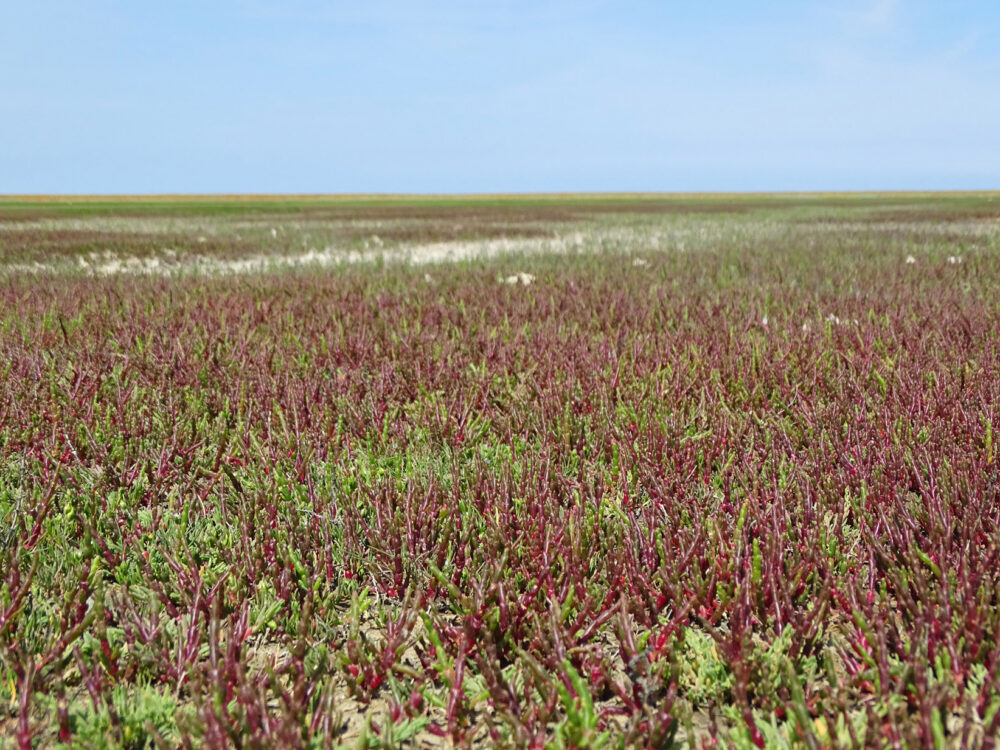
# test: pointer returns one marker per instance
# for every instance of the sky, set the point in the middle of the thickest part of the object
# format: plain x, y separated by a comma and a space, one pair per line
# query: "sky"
408, 96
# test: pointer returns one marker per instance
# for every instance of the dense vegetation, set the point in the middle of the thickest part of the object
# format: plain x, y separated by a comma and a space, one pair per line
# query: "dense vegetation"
718, 476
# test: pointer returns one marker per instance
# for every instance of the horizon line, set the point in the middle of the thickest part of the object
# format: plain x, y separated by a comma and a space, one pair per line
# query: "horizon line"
556, 194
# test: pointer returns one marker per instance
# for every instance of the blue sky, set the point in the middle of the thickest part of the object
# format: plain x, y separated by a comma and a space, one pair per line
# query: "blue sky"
98, 96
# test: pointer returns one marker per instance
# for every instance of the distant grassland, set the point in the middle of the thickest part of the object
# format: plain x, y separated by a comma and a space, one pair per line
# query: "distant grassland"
83, 205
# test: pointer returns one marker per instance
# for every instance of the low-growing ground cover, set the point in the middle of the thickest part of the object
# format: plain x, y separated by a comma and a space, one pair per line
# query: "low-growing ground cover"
709, 470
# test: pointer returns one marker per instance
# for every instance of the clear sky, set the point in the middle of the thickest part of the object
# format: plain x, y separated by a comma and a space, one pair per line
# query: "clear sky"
102, 96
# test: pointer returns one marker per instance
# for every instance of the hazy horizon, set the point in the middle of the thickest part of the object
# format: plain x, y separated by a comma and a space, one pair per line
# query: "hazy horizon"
553, 194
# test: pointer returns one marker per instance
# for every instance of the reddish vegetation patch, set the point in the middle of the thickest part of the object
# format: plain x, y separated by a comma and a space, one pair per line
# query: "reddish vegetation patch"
715, 494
